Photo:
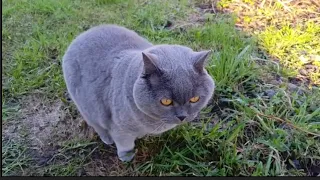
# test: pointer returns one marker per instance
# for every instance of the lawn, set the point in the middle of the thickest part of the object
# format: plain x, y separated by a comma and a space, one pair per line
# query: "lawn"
263, 120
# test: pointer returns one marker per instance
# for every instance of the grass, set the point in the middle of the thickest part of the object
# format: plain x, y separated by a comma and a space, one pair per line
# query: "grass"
252, 128
294, 47
14, 157
288, 31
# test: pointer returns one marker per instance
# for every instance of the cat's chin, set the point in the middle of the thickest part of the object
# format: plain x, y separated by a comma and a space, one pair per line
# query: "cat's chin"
172, 123
169, 121
176, 122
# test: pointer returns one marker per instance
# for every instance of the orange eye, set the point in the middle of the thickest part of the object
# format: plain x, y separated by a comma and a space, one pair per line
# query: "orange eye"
194, 99
166, 102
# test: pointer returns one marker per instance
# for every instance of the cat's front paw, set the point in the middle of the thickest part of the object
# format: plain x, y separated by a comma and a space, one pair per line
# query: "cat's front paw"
106, 139
126, 156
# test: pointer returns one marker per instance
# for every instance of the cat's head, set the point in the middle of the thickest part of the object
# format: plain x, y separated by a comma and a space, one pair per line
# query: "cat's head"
174, 85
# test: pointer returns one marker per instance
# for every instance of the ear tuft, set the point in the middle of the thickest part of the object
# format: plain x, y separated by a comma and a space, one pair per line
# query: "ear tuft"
200, 60
149, 63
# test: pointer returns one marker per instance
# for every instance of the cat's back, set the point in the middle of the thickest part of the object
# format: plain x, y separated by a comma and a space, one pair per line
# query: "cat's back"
104, 41
94, 54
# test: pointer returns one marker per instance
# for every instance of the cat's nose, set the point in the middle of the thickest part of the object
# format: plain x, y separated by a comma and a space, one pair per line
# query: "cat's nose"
181, 117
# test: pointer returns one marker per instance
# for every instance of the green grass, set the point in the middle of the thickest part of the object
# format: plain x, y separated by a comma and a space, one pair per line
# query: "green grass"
294, 46
248, 144
231, 65
287, 30
248, 137
14, 158
71, 157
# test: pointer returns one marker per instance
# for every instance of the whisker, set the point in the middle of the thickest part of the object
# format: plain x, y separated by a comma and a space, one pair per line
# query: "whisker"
160, 126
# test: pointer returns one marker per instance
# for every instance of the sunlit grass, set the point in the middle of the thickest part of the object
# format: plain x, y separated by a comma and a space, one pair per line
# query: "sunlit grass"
288, 31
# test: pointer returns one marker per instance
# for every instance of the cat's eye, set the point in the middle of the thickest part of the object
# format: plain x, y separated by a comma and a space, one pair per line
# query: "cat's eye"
166, 102
194, 99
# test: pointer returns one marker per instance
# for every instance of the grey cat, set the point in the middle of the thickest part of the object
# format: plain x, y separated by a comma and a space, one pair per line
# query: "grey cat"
126, 88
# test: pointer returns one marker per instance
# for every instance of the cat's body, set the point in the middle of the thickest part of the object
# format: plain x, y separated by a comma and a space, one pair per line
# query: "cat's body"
117, 80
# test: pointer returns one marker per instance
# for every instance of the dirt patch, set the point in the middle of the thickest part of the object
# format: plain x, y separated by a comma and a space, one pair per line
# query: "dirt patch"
49, 122
198, 17
52, 129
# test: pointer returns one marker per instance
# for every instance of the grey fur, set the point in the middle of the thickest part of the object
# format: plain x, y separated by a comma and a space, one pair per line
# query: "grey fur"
116, 79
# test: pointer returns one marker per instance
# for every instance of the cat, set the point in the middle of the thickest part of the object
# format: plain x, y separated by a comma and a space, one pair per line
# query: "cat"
126, 88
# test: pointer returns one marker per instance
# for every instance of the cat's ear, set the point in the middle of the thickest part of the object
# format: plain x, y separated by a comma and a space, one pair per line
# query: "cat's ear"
200, 60
149, 64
